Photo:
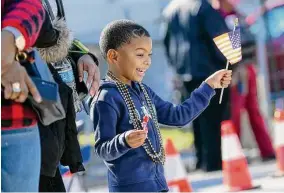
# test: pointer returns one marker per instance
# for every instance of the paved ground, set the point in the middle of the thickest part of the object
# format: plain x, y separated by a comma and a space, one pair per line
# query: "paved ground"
261, 174
212, 182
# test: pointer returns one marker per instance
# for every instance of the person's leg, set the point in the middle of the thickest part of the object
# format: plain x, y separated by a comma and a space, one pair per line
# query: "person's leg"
197, 143
237, 104
210, 124
45, 184
52, 184
20, 156
256, 120
190, 86
58, 183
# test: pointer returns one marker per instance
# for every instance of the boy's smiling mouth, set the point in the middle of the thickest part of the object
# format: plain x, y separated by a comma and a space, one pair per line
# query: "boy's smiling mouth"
140, 71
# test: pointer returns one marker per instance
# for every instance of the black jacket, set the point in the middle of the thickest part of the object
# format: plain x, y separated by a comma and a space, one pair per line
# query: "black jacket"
59, 141
191, 27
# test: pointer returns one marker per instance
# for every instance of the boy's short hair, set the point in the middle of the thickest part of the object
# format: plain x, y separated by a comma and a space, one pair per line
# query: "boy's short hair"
118, 33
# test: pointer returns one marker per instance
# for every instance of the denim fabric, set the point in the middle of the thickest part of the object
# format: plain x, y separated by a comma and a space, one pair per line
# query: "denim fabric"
20, 156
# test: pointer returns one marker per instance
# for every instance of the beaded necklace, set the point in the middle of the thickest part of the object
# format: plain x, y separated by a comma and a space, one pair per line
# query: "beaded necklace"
157, 157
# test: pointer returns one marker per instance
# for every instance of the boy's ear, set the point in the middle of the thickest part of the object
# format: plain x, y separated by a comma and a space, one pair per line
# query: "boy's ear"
112, 55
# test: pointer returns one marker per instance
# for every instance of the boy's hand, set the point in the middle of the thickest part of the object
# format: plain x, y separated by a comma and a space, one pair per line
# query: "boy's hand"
135, 138
220, 79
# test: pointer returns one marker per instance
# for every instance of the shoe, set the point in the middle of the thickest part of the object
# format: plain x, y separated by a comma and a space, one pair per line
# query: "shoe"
212, 168
268, 158
198, 165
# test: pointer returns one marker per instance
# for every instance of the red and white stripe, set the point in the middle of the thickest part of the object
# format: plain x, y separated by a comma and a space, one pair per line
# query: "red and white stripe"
224, 44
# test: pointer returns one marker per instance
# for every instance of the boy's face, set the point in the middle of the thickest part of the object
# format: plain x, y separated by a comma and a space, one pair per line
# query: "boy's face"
133, 59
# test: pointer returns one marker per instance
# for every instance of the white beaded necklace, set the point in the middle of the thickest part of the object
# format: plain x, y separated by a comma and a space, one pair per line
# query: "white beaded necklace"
157, 157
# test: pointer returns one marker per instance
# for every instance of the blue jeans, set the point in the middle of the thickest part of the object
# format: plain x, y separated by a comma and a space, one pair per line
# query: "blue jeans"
20, 156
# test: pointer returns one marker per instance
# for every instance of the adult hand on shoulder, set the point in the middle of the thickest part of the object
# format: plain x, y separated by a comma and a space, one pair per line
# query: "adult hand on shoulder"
135, 138
86, 63
220, 79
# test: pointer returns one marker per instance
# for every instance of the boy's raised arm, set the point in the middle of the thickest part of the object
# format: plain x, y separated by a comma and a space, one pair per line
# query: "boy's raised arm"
109, 145
180, 115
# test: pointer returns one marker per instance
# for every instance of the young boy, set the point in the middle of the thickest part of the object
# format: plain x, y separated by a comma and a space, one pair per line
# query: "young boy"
133, 153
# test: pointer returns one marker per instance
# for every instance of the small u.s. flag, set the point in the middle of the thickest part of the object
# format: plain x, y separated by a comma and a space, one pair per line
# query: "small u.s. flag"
230, 45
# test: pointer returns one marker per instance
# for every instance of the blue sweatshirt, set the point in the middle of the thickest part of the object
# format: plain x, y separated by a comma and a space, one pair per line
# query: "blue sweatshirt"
132, 170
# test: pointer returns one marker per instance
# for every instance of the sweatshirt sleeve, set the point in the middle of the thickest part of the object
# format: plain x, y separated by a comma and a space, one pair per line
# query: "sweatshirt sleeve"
180, 115
26, 16
109, 145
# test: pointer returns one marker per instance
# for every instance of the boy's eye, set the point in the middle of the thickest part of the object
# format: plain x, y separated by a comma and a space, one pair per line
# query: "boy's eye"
150, 55
141, 55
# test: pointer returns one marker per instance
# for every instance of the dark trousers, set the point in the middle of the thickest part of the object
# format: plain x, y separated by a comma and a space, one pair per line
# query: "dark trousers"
207, 129
51, 184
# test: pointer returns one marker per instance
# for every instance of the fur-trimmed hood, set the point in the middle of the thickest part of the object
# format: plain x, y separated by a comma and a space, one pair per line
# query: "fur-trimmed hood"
59, 51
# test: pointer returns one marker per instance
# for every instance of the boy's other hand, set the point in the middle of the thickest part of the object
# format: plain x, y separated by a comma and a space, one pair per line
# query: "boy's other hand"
135, 138
220, 79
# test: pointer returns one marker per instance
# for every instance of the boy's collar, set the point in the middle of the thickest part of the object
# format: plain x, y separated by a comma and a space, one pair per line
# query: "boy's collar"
135, 85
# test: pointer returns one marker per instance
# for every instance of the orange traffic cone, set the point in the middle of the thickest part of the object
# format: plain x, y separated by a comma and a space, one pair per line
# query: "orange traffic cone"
174, 170
236, 175
279, 141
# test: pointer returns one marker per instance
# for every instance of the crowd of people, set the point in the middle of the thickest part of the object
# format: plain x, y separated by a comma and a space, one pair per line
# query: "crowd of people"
125, 112
191, 51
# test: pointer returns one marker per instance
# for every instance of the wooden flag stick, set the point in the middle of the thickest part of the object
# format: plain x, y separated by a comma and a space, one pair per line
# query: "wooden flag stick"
227, 65
222, 91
